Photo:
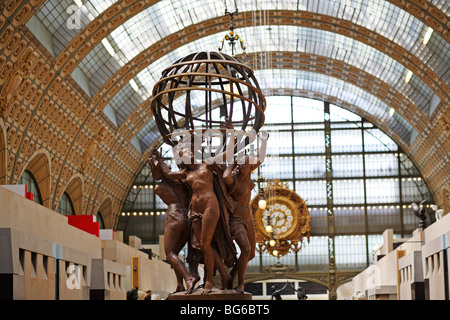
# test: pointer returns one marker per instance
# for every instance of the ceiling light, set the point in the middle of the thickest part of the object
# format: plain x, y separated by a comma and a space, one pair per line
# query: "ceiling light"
108, 46
134, 85
262, 202
427, 35
408, 76
79, 3
391, 112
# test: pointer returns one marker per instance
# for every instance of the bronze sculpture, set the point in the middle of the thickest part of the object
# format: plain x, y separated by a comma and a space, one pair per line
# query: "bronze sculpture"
420, 212
301, 294
218, 205
215, 213
276, 293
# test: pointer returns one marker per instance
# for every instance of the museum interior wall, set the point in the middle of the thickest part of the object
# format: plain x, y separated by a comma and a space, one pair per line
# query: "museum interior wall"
407, 269
43, 257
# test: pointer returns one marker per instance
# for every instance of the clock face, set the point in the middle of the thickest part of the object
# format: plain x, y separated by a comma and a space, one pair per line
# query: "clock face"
281, 215
287, 215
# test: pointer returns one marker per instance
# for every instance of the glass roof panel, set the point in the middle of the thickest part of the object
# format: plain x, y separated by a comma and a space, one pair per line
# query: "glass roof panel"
300, 39
167, 17
340, 114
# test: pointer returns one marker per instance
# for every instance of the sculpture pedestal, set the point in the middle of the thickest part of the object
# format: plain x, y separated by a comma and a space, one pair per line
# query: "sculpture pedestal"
215, 294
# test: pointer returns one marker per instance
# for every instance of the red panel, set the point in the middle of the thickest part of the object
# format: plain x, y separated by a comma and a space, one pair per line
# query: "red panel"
81, 218
85, 223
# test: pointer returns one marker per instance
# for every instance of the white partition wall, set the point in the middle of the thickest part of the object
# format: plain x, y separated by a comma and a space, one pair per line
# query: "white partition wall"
435, 268
411, 277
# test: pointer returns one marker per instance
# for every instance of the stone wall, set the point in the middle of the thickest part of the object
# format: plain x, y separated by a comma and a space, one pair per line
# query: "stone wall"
43, 257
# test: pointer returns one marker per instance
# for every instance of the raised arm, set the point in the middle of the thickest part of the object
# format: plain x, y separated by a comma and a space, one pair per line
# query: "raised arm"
228, 175
164, 168
167, 173
154, 167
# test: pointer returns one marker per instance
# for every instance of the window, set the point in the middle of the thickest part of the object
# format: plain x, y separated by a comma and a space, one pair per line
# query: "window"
100, 220
32, 186
65, 206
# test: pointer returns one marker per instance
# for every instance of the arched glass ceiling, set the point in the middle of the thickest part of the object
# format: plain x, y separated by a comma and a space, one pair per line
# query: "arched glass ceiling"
167, 17
282, 38
312, 82
378, 15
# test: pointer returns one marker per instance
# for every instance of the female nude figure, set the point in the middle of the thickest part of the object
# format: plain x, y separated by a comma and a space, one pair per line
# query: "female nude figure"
237, 177
204, 210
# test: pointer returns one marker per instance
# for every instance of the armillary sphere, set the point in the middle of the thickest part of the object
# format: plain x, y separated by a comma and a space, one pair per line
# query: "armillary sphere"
199, 91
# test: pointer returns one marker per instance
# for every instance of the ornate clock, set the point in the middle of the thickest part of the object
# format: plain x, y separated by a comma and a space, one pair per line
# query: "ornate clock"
284, 222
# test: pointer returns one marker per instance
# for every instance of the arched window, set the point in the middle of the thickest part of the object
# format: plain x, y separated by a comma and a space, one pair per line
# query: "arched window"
65, 206
100, 220
32, 186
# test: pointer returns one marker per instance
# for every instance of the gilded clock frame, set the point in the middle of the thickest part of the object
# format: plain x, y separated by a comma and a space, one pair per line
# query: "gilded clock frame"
279, 192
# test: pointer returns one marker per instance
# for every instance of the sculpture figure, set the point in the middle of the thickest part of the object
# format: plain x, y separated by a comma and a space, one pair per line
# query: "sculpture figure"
205, 213
301, 295
175, 194
420, 212
358, 295
237, 177
277, 292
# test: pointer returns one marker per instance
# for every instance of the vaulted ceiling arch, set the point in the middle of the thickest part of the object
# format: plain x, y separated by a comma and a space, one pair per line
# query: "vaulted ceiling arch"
119, 82
127, 72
